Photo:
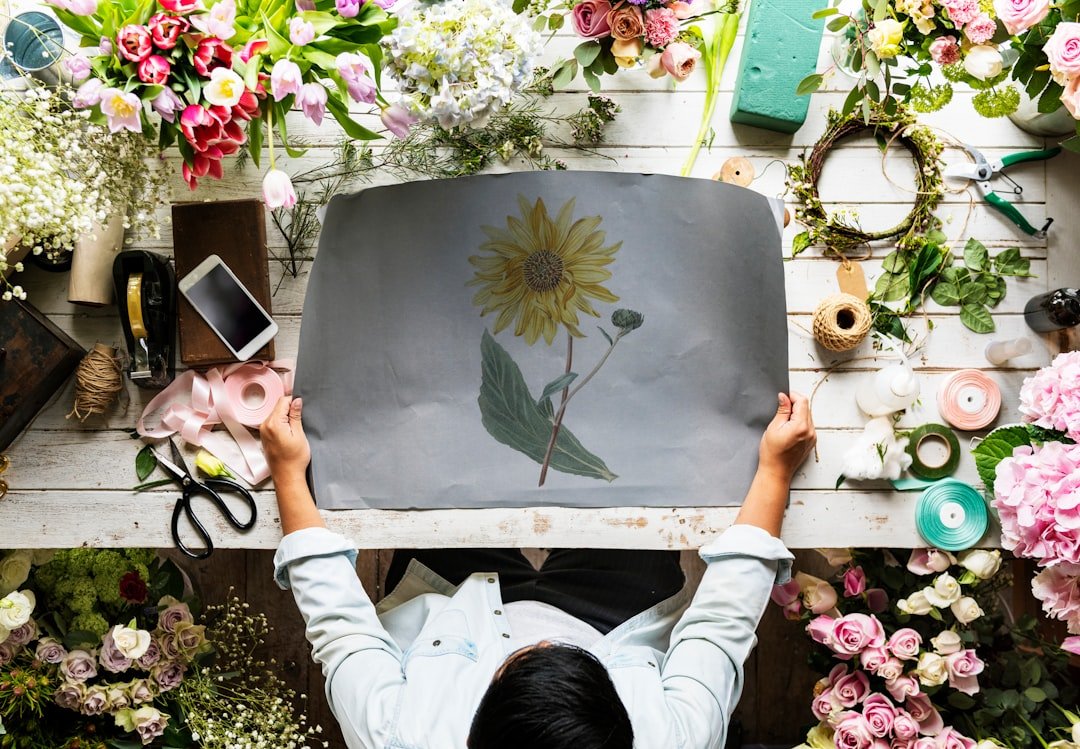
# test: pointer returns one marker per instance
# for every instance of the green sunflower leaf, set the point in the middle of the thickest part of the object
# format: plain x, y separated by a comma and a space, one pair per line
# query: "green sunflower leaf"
511, 415
558, 384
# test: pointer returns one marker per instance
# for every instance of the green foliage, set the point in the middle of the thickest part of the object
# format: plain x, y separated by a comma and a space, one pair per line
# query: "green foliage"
1001, 442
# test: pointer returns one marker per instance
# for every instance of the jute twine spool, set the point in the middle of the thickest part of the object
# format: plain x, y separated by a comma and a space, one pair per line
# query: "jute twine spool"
841, 322
98, 382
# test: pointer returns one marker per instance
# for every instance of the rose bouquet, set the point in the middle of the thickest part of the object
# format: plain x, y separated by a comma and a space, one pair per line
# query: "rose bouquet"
208, 76
96, 647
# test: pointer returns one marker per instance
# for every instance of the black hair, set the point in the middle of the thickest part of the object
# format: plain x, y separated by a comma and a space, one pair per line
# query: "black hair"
551, 697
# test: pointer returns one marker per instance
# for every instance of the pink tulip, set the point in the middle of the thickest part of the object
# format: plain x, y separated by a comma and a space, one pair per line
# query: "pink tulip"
121, 110
285, 79
278, 190
397, 119
301, 32
348, 8
312, 99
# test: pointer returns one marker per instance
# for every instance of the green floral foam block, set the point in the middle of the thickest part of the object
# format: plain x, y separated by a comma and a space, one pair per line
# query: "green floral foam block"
780, 49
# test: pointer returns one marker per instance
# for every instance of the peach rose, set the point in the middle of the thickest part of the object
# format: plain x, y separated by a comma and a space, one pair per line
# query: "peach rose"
1070, 97
626, 51
626, 23
679, 60
682, 10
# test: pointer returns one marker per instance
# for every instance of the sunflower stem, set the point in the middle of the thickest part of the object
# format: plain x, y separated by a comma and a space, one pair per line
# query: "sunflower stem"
557, 425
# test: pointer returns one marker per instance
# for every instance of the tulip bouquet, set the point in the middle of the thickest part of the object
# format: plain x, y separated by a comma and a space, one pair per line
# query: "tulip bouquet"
96, 646
208, 75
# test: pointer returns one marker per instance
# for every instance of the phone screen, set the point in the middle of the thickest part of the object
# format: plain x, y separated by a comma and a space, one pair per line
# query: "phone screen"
223, 302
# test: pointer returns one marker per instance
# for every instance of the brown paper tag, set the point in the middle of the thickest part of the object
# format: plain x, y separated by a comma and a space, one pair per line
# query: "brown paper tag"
851, 280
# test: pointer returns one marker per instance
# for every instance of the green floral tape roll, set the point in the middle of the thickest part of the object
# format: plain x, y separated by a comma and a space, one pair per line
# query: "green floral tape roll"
951, 515
933, 432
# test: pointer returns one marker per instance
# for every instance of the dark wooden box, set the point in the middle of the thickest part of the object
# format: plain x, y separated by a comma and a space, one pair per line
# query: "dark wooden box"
36, 359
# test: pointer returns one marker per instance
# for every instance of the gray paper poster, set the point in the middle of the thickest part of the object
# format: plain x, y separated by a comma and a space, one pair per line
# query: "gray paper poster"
585, 339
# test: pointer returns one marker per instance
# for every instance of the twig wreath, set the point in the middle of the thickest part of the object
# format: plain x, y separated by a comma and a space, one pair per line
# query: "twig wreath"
840, 233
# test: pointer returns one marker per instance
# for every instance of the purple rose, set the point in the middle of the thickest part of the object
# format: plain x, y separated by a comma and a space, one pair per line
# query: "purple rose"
95, 702
140, 691
24, 634
590, 19
110, 657
168, 675
70, 695
8, 651
149, 723
50, 650
189, 637
150, 657
174, 613
167, 645
78, 665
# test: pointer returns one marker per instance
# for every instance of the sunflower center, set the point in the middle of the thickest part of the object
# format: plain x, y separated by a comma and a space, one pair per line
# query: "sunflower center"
543, 270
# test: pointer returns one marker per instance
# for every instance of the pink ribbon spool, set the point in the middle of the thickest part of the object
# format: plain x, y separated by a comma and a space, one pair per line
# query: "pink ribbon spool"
969, 400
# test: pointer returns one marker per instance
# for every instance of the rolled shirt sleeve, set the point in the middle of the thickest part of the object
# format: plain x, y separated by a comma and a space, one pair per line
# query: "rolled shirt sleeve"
359, 658
703, 669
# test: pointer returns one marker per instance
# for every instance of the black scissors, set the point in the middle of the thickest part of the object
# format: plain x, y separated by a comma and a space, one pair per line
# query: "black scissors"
212, 490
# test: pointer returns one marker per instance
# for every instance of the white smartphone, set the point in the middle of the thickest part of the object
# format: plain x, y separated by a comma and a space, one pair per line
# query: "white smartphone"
228, 308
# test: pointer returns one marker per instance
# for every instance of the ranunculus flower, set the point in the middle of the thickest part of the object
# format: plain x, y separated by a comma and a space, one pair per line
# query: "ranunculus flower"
285, 79
627, 51
886, 37
981, 30
982, 563
78, 665
929, 561
873, 658
168, 675
904, 644
932, 669
133, 643
944, 592
16, 608
78, 67
167, 104
891, 670
924, 712
590, 19
50, 650
944, 50
1063, 51
879, 713
121, 110
165, 29
179, 6
983, 62
397, 119
950, 738
219, 22
278, 190
301, 32
852, 732
903, 687
661, 26
312, 100
88, 94
225, 88
154, 70
947, 642
854, 582
966, 610
134, 42
626, 22
1070, 97
347, 8
132, 588
1020, 15
964, 667
818, 595
679, 60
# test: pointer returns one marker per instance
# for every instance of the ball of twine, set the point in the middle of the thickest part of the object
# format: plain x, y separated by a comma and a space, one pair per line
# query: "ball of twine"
98, 382
841, 322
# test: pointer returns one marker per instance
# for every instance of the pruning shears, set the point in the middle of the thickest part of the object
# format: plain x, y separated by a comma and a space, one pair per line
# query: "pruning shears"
983, 171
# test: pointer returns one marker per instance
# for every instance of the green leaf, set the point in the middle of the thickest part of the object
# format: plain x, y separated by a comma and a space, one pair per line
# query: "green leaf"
838, 23
586, 52
606, 336
961, 701
935, 614
1009, 263
891, 286
150, 485
564, 74
840, 480
77, 637
145, 463
824, 13
1050, 99
591, 79
556, 21
851, 101
559, 383
809, 84
255, 139
945, 294
800, 243
895, 262
975, 255
972, 293
351, 127
513, 418
1072, 143
1035, 694
520, 6
924, 267
976, 317
997, 446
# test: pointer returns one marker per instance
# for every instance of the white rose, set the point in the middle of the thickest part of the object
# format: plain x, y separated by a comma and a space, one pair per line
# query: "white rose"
933, 669
983, 564
1076, 733
15, 609
944, 592
835, 557
14, 569
42, 556
131, 642
966, 610
983, 62
916, 604
946, 643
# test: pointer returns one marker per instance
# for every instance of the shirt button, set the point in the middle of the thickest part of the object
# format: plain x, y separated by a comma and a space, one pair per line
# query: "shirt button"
506, 635
491, 579
437, 643
498, 612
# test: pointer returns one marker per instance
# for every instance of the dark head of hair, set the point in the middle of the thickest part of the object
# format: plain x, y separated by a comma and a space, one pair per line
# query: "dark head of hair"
551, 697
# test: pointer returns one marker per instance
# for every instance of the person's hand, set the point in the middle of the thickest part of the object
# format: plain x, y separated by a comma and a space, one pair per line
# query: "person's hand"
283, 440
788, 439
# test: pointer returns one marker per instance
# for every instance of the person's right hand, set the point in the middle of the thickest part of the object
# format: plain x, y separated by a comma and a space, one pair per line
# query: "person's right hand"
283, 440
789, 438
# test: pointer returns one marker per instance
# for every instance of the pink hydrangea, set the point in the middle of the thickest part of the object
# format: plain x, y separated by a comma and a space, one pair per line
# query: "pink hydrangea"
1051, 397
981, 30
961, 12
661, 26
1037, 496
1059, 590
945, 51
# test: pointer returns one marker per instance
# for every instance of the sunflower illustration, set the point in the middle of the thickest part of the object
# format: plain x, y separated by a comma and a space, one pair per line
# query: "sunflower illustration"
541, 273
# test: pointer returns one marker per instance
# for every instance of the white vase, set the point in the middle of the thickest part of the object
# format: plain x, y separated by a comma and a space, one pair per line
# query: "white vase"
91, 281
1052, 125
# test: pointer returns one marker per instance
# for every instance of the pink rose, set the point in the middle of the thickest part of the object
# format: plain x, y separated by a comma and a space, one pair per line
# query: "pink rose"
899, 743
879, 713
590, 19
1071, 645
853, 732
1063, 51
661, 26
824, 705
854, 582
851, 689
166, 29
154, 70
964, 667
679, 60
929, 561
682, 10
891, 669
981, 30
902, 687
924, 742
784, 594
905, 643
854, 633
944, 51
1020, 15
134, 42
1070, 97
904, 726
873, 658
818, 595
925, 714
950, 738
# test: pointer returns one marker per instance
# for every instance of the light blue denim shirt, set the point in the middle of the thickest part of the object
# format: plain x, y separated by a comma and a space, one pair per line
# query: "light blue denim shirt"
410, 673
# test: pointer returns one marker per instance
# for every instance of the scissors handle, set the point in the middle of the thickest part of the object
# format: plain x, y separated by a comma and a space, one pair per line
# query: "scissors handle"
211, 489
1023, 156
216, 487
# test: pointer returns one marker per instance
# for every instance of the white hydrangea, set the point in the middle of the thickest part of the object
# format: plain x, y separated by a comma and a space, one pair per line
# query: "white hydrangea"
460, 61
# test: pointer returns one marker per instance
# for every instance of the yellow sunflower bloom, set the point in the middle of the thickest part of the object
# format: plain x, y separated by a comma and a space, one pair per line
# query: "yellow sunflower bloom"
542, 273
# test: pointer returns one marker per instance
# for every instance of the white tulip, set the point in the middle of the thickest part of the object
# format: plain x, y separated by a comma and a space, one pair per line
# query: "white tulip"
983, 62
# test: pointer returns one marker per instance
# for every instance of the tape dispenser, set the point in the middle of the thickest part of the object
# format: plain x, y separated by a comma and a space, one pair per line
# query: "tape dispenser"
146, 290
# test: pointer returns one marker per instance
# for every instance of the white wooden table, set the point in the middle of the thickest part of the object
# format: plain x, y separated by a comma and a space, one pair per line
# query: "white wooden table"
70, 482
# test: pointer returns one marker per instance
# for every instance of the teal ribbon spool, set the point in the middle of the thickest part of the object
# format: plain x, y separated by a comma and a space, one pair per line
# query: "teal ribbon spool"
951, 515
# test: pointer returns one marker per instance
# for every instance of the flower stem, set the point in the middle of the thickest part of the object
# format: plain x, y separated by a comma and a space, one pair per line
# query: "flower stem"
557, 425
717, 50
270, 133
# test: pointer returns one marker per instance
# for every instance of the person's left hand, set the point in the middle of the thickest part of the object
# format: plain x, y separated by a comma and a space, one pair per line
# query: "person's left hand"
283, 440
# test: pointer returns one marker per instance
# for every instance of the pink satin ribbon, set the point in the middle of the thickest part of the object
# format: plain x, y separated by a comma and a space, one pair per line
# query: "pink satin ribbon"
239, 397
969, 400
